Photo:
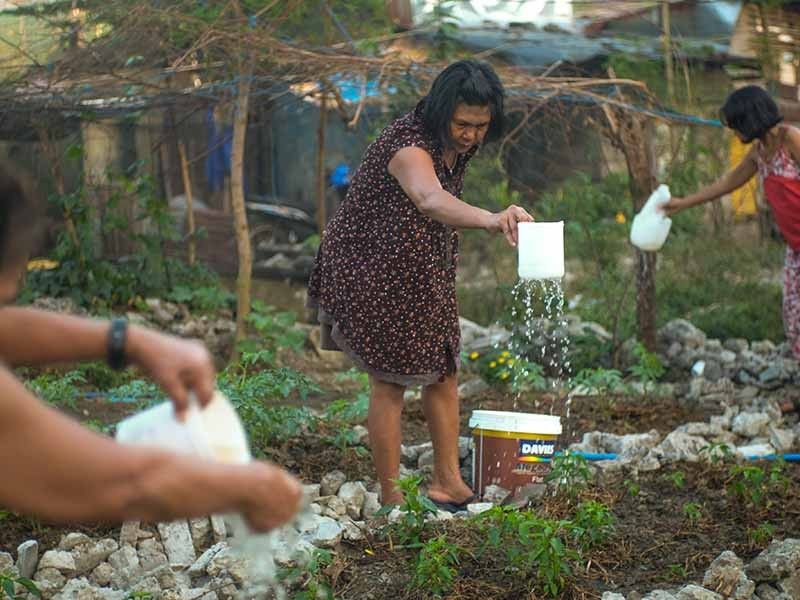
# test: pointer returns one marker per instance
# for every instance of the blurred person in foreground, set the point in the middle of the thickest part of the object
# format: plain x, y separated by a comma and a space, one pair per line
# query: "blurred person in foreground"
58, 470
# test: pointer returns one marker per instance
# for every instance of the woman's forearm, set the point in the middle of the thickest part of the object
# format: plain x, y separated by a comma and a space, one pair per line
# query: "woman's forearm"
442, 206
29, 337
61, 471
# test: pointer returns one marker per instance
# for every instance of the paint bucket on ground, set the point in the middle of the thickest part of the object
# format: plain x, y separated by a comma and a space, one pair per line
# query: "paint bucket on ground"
512, 449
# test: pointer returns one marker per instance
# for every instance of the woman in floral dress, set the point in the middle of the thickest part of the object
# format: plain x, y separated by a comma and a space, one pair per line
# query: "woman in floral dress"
384, 278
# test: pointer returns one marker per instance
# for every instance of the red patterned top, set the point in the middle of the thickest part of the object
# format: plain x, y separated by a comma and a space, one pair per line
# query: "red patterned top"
384, 276
780, 178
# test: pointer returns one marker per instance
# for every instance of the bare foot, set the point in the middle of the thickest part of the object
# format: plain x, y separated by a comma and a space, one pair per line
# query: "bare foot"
456, 494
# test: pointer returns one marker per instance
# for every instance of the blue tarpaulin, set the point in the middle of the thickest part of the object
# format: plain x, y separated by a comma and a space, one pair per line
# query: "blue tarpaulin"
218, 161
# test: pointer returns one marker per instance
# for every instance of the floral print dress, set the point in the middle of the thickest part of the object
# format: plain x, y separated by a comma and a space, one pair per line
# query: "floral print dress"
384, 277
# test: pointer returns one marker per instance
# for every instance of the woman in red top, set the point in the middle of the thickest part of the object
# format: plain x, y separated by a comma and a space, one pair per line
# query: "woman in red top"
775, 157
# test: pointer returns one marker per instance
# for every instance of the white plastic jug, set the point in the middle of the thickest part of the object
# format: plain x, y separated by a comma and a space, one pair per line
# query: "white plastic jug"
650, 227
214, 431
541, 250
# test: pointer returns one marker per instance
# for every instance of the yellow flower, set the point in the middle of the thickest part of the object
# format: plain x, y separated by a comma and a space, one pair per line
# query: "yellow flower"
41, 264
492, 365
620, 218
504, 375
510, 362
505, 353
473, 355
501, 360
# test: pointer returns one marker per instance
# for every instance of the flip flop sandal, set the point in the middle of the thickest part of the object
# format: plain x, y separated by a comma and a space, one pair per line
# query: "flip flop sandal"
454, 507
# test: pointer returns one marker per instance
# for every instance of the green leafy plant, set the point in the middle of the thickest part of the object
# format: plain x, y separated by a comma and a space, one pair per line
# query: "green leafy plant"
58, 389
436, 566
415, 509
530, 544
570, 472
274, 330
598, 381
632, 487
592, 524
754, 484
649, 369
11, 583
693, 511
761, 535
678, 479
676, 571
307, 577
717, 452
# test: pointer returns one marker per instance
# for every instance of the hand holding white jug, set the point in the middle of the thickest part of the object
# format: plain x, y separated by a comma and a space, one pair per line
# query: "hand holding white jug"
651, 226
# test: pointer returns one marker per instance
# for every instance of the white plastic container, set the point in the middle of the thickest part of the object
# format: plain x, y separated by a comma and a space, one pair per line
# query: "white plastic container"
214, 432
650, 227
541, 250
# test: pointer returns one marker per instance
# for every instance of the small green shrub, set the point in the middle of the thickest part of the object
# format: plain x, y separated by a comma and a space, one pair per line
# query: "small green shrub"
571, 473
436, 567
415, 509
592, 524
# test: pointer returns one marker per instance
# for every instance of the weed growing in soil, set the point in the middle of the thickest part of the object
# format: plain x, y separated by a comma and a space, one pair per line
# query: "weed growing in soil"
678, 479
632, 487
693, 512
761, 535
436, 566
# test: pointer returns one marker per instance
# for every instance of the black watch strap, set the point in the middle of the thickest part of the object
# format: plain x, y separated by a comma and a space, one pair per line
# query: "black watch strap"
116, 343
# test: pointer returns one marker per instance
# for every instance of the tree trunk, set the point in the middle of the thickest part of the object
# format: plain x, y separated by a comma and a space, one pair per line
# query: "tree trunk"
634, 136
244, 277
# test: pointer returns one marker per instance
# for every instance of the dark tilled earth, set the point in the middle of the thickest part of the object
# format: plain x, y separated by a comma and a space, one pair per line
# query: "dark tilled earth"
654, 544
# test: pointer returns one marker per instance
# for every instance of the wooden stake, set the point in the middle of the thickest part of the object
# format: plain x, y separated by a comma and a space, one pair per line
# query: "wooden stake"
187, 188
322, 217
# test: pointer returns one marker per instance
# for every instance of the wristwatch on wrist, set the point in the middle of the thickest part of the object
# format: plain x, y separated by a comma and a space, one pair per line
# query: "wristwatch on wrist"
116, 343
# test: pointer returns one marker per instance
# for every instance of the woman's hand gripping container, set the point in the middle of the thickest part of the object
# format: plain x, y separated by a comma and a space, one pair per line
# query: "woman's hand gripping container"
512, 450
213, 432
651, 226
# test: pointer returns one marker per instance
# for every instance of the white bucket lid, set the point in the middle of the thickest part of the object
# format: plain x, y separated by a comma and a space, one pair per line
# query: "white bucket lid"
516, 422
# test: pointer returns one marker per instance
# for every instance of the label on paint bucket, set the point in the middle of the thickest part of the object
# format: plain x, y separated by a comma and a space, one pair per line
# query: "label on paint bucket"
536, 450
